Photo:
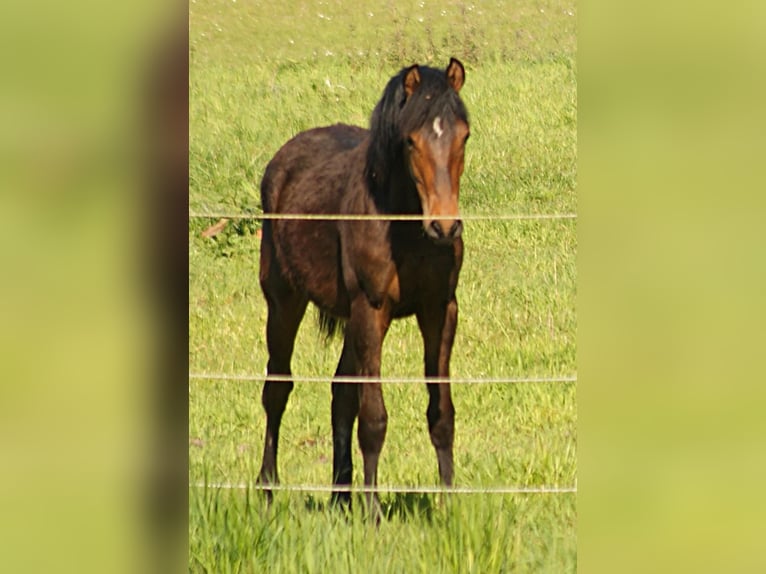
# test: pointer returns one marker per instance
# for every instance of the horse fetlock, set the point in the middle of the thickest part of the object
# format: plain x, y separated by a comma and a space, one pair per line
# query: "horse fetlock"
442, 436
373, 508
444, 459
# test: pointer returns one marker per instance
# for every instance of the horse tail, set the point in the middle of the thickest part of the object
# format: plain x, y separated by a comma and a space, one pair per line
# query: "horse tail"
330, 325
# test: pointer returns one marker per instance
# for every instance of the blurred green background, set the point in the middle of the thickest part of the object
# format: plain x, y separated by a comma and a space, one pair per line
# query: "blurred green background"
670, 282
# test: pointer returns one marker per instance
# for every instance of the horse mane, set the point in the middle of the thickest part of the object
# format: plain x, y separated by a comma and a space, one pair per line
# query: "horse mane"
395, 116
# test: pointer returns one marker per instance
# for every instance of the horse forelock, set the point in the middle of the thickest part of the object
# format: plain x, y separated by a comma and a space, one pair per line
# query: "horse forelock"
433, 99
395, 116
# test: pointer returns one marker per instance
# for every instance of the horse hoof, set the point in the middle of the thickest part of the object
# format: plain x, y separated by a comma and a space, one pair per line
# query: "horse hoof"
265, 483
341, 500
374, 510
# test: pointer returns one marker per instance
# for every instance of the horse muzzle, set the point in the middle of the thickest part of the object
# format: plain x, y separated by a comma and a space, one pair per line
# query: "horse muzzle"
443, 231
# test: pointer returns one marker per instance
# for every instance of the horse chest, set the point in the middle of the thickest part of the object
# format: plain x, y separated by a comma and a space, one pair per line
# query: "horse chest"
424, 276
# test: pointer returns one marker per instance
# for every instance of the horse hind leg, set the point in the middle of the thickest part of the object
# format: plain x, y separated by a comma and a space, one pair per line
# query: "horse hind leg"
285, 312
281, 329
345, 407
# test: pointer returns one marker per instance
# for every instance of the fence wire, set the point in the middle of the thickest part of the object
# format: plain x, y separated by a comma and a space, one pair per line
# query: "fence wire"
385, 380
386, 217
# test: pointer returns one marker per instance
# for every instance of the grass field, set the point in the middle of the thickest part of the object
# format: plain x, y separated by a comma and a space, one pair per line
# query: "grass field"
261, 72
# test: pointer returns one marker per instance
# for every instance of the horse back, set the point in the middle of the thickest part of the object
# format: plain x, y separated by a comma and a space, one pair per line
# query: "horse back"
308, 173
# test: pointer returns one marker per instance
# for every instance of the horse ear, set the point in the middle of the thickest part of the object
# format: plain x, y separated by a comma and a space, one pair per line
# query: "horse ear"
411, 80
455, 74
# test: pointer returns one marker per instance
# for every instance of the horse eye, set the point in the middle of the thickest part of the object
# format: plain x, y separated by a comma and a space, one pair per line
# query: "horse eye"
410, 142
465, 139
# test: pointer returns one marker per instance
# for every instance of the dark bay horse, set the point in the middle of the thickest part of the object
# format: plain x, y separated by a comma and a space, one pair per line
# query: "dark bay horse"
364, 273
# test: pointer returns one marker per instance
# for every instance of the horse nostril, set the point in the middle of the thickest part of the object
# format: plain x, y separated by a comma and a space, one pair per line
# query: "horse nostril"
437, 229
456, 229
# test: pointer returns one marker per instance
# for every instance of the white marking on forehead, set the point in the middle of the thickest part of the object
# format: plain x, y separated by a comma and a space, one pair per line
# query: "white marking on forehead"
438, 127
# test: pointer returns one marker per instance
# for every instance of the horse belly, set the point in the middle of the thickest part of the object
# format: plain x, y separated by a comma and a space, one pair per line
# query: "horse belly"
307, 254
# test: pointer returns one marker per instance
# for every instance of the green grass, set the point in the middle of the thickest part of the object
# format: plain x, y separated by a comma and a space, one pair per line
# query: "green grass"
469, 534
261, 72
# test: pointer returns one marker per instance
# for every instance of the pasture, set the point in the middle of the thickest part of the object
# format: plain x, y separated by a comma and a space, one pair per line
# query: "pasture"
260, 72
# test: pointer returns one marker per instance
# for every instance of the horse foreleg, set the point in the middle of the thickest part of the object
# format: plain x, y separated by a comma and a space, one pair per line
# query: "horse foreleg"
373, 420
438, 327
365, 332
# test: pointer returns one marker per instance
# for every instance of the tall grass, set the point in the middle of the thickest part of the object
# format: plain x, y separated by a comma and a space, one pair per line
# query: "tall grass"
261, 72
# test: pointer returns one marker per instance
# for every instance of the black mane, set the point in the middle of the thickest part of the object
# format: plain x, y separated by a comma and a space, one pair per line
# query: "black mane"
395, 116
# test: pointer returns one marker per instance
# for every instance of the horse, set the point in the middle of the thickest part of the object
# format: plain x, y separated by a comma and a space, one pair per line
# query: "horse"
362, 270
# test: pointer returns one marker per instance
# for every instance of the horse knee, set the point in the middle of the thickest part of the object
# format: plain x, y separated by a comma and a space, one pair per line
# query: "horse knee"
372, 433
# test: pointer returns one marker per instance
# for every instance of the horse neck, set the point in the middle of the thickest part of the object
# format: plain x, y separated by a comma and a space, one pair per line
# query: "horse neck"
393, 189
402, 194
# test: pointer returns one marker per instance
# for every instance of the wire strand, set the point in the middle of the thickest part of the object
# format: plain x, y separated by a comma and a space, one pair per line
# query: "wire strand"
387, 217
388, 380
